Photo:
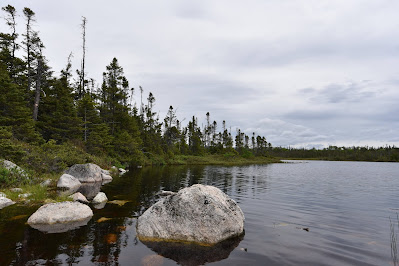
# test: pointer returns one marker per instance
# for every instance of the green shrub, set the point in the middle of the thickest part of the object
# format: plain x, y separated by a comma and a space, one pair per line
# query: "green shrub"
11, 177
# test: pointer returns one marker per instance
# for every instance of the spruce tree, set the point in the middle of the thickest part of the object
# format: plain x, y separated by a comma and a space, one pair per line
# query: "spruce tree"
58, 118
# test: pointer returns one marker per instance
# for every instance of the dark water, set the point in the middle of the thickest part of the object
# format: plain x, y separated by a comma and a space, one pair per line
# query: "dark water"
344, 205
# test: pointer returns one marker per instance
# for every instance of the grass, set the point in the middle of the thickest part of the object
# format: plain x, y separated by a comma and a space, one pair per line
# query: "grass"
37, 194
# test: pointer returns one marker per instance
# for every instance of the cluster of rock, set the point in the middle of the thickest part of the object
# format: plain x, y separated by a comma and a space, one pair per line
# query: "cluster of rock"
198, 214
86, 181
83, 183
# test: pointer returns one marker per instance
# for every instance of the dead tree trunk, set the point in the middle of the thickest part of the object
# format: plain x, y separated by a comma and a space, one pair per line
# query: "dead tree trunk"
38, 90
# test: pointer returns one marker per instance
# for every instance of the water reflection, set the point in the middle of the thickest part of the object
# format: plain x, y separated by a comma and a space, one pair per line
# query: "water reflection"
332, 199
101, 241
60, 227
192, 254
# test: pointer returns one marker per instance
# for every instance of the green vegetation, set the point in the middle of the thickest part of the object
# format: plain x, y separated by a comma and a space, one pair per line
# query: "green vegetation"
11, 177
50, 121
334, 153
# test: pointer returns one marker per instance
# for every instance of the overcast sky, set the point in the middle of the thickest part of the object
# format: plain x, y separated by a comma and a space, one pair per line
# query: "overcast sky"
305, 73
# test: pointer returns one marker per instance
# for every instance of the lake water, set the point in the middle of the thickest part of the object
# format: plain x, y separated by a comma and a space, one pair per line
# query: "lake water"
297, 213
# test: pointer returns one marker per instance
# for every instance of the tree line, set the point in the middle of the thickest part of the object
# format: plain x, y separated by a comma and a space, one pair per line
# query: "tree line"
38, 107
335, 153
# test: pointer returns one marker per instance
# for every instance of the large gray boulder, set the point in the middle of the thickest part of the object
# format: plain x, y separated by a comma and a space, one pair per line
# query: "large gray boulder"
68, 182
60, 217
86, 173
200, 214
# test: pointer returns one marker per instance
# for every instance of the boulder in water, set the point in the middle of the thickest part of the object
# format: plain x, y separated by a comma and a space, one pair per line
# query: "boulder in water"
86, 173
68, 182
4, 202
60, 217
200, 214
100, 198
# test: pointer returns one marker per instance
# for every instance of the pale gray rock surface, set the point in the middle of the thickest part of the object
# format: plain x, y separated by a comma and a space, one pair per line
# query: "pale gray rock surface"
201, 214
12, 166
106, 172
46, 183
122, 171
106, 177
165, 193
24, 196
79, 197
68, 182
60, 216
99, 206
2, 195
100, 198
86, 173
5, 202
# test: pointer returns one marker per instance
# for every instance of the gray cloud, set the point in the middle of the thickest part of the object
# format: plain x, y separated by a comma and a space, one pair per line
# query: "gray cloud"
299, 72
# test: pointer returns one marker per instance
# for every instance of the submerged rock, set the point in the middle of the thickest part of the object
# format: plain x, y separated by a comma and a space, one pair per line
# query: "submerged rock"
60, 217
200, 214
5, 202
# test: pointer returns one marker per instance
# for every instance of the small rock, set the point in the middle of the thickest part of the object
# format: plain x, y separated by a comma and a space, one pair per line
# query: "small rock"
17, 189
106, 172
152, 260
122, 171
119, 202
100, 198
106, 177
99, 206
4, 202
103, 219
2, 195
79, 197
46, 183
68, 182
24, 196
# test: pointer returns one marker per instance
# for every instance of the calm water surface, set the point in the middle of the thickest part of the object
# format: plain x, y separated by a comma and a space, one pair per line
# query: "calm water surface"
345, 207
